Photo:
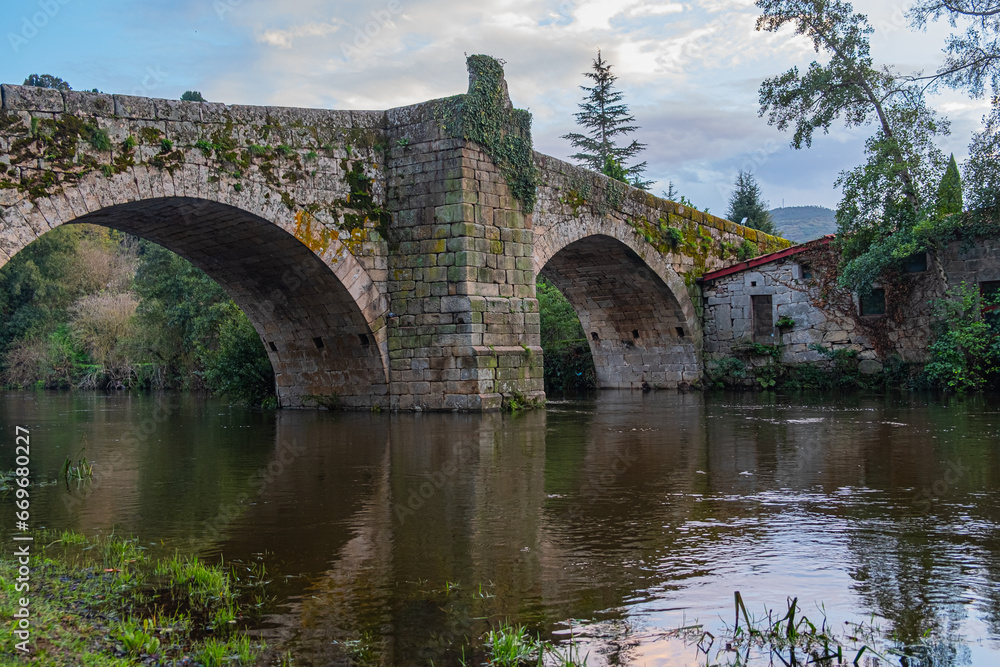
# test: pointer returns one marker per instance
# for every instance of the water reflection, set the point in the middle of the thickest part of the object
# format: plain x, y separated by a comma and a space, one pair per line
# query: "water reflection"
624, 515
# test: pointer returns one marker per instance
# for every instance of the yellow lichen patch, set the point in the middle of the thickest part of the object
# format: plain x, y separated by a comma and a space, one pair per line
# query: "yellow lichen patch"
312, 233
358, 236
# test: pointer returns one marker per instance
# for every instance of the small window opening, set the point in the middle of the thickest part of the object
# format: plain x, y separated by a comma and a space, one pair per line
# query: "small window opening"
753, 283
364, 339
635, 333
916, 263
873, 303
274, 348
807, 271
594, 336
763, 318
318, 342
680, 331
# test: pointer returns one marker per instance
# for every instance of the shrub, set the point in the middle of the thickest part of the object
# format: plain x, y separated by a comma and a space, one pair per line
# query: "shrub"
239, 367
965, 355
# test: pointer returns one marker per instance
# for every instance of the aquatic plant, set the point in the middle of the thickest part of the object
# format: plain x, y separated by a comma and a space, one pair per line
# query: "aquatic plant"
79, 470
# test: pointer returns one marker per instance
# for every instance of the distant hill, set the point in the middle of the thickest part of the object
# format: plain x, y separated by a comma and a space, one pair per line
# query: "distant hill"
804, 223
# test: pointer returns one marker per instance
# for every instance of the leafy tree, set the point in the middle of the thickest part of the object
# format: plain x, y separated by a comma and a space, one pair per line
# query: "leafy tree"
180, 308
192, 96
972, 59
614, 169
558, 320
982, 173
746, 202
605, 119
885, 198
569, 365
972, 63
46, 81
34, 289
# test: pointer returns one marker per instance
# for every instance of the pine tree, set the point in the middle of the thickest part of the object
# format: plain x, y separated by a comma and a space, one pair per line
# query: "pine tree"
606, 118
949, 194
746, 202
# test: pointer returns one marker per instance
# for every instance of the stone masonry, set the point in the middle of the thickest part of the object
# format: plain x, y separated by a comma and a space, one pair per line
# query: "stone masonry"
380, 255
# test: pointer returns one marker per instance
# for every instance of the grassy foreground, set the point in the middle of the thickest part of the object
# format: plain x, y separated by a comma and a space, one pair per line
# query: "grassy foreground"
102, 602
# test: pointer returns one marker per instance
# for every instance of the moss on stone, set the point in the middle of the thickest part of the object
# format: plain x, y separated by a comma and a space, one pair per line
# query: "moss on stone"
484, 115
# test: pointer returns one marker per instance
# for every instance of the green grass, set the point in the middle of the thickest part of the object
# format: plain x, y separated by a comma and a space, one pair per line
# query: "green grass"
104, 602
513, 646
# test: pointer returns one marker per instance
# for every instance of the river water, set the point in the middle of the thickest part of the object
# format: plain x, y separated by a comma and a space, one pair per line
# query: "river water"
613, 519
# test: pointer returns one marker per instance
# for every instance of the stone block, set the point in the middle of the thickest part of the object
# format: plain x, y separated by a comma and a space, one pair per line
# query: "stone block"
451, 213
141, 108
32, 98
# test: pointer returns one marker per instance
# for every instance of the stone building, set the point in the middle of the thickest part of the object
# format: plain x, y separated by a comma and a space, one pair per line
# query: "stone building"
791, 299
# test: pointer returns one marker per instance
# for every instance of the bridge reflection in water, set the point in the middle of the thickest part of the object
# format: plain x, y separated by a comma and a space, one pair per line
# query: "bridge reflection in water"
412, 532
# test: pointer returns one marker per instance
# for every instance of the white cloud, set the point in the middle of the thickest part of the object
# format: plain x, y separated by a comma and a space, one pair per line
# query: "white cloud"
284, 38
690, 69
661, 9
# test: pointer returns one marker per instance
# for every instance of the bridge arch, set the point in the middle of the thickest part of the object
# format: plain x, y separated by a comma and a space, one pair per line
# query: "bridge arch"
315, 306
635, 309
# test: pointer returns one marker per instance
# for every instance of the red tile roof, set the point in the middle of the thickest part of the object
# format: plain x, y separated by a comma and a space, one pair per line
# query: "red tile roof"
767, 259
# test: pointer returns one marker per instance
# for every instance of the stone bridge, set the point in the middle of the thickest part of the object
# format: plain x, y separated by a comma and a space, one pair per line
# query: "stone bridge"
386, 258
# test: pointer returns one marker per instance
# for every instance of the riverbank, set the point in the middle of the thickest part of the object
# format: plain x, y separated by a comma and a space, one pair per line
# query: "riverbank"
103, 601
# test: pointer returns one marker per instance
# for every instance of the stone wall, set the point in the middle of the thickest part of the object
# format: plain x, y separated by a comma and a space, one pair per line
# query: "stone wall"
828, 316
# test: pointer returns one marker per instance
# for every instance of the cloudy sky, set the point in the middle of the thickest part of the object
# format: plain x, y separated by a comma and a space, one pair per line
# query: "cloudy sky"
689, 70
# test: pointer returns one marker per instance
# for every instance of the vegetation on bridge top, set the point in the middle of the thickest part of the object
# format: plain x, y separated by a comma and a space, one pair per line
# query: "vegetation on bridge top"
485, 115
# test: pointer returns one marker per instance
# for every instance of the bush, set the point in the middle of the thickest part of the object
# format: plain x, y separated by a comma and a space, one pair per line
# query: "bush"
239, 367
569, 367
965, 355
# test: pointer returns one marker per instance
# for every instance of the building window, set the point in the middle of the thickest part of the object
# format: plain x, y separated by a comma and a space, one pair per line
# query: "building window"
873, 303
763, 318
916, 263
805, 272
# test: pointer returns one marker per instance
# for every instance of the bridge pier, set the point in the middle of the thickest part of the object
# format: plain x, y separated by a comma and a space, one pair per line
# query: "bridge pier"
464, 328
